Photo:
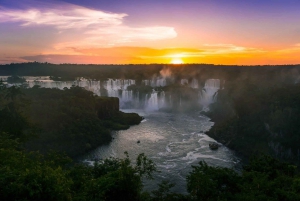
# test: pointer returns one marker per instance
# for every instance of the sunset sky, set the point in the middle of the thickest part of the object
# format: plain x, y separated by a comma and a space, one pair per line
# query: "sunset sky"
150, 31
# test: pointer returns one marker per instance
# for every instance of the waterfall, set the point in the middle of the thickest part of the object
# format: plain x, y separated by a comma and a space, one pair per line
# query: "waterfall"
155, 82
161, 82
146, 82
45, 82
184, 81
179, 100
209, 92
118, 88
146, 101
52, 84
137, 100
152, 103
162, 97
194, 84
126, 96
127, 83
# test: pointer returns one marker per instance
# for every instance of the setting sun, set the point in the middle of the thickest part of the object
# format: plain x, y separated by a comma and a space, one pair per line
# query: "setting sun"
177, 61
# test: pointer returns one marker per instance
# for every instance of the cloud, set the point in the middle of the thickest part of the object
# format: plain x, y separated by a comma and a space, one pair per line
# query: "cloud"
119, 35
64, 17
290, 50
95, 28
211, 49
6, 60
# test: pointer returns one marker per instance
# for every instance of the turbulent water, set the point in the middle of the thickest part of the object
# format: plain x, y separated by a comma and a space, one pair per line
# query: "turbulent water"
173, 141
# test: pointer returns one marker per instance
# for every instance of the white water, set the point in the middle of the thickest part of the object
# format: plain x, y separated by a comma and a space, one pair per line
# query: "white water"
89, 85
194, 84
152, 103
155, 82
119, 88
184, 81
209, 92
173, 141
156, 101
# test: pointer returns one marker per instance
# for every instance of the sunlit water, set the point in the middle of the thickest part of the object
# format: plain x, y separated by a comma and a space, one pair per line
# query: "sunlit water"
173, 141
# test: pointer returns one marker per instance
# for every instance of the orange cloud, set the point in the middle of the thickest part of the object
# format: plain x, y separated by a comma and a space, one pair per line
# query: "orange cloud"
213, 54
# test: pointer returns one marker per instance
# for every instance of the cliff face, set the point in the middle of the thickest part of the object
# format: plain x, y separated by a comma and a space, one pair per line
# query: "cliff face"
73, 120
107, 107
252, 118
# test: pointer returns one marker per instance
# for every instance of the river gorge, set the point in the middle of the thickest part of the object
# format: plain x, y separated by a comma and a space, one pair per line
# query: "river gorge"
172, 133
173, 141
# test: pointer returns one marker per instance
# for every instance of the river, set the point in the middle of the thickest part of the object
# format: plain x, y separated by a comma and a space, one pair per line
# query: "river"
173, 141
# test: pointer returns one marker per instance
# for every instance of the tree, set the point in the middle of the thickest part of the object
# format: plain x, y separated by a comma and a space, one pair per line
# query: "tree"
212, 183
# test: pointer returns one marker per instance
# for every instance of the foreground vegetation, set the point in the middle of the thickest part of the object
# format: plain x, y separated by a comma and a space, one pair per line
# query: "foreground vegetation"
32, 176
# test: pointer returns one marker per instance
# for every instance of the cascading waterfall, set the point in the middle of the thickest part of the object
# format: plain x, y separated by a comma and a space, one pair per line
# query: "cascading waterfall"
126, 96
194, 84
155, 82
162, 98
90, 85
152, 103
130, 99
127, 83
180, 100
184, 81
209, 92
161, 82
146, 82
114, 86
146, 101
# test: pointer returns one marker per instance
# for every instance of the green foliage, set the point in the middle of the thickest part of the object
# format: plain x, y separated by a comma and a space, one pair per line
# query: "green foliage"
32, 176
264, 178
63, 120
111, 179
13, 118
259, 118
163, 193
69, 119
29, 176
212, 183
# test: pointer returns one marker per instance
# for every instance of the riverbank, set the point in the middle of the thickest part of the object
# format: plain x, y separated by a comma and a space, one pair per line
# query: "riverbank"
254, 119
73, 121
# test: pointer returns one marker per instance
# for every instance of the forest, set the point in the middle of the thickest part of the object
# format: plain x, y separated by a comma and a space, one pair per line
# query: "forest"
255, 118
43, 130
282, 73
71, 121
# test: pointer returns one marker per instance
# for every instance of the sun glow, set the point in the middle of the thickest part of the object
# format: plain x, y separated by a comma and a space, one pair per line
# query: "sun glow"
176, 61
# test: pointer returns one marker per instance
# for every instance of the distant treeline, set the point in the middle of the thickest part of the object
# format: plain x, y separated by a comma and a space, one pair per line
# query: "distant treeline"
143, 71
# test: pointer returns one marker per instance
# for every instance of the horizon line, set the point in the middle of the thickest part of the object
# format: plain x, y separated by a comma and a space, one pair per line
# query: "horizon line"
170, 64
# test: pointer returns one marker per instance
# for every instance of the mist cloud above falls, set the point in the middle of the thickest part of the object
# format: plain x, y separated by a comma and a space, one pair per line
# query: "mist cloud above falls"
165, 72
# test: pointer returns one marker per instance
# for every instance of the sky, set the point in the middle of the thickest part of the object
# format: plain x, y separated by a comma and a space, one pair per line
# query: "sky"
238, 32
